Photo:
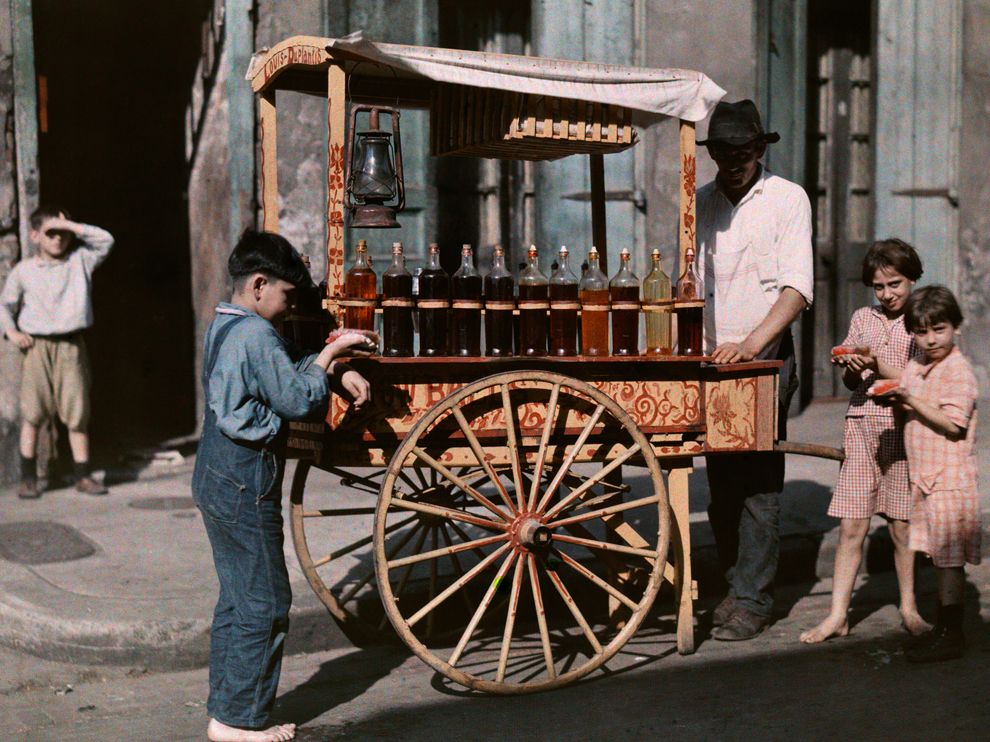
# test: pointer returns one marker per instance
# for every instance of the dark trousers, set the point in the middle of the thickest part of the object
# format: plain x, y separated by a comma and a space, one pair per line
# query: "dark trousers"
745, 506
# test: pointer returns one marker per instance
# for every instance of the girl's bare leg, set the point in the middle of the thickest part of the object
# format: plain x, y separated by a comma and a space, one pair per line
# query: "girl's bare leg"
848, 556
28, 440
79, 443
904, 565
219, 732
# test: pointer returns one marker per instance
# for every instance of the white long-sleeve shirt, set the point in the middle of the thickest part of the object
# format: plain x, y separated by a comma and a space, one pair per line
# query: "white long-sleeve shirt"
750, 252
54, 297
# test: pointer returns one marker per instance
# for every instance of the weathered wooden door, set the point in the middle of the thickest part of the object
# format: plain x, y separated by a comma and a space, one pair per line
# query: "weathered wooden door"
840, 97
917, 132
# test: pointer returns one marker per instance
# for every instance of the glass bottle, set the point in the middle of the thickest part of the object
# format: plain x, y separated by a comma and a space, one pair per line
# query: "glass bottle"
397, 306
657, 295
593, 294
360, 284
500, 294
434, 292
690, 308
533, 306
623, 293
563, 308
465, 314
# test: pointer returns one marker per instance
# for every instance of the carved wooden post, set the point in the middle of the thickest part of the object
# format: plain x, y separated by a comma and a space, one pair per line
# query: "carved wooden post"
269, 162
336, 115
688, 176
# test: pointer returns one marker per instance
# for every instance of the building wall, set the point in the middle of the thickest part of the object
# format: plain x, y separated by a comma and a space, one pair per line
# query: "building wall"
10, 357
681, 33
974, 188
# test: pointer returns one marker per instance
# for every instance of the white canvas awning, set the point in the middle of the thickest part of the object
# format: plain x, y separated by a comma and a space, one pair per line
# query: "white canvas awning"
649, 93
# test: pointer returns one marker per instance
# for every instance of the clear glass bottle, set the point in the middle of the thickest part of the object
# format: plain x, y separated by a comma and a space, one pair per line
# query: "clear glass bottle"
500, 295
593, 294
434, 304
657, 295
533, 305
397, 306
690, 308
465, 314
623, 292
563, 308
361, 283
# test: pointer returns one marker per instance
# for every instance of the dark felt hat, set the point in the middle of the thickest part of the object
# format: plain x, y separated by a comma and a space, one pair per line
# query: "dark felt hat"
737, 124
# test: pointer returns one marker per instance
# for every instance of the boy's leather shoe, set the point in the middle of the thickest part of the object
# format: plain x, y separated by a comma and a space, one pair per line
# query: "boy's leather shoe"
742, 625
939, 644
723, 611
29, 490
89, 486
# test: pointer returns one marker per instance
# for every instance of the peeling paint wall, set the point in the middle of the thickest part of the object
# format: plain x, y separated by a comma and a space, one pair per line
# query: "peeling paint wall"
974, 189
10, 357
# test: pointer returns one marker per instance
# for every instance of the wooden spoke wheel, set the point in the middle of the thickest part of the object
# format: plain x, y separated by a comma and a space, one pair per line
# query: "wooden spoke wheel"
539, 566
332, 518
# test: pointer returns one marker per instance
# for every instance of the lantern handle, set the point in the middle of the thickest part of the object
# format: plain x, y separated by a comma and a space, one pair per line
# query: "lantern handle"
397, 143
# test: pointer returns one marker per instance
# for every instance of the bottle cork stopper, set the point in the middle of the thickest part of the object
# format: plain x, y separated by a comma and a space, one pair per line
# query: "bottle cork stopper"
362, 245
624, 253
563, 250
397, 248
655, 253
434, 247
532, 251
498, 250
465, 249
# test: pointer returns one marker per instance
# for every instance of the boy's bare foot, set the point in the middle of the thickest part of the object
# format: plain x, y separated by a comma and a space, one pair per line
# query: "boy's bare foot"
914, 624
217, 731
828, 628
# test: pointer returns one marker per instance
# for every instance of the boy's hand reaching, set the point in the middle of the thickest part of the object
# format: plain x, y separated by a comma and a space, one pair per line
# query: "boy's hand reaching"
349, 384
21, 339
352, 342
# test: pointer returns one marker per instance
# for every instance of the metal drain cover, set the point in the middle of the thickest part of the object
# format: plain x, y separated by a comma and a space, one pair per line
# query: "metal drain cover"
163, 503
43, 542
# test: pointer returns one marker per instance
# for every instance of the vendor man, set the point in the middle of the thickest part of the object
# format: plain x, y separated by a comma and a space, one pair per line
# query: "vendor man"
754, 238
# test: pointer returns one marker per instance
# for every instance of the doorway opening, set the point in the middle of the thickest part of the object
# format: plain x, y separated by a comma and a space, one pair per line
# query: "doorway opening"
841, 105
114, 79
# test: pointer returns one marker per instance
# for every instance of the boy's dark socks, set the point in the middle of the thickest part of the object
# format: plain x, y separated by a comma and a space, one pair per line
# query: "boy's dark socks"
80, 470
952, 616
29, 468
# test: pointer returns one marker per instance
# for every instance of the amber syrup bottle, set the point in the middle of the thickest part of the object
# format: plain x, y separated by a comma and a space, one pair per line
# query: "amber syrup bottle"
360, 284
623, 293
465, 312
434, 304
563, 308
534, 301
690, 306
397, 306
593, 294
657, 299
500, 294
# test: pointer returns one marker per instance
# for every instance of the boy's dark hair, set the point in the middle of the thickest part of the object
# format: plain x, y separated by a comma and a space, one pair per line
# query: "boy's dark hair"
47, 211
891, 253
269, 254
930, 306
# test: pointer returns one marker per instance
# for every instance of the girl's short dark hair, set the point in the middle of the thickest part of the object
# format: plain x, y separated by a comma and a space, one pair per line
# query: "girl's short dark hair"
931, 305
269, 254
891, 253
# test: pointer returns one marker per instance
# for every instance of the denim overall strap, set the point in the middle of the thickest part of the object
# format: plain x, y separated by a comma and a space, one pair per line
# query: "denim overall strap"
213, 352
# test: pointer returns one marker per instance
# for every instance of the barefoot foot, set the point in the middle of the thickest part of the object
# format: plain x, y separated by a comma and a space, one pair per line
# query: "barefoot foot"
914, 624
217, 731
826, 630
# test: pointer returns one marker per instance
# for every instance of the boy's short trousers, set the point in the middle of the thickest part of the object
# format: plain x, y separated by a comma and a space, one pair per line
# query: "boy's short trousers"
874, 476
56, 380
946, 526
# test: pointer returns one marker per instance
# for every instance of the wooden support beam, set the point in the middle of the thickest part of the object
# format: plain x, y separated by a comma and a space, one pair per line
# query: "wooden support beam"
269, 162
336, 121
598, 232
688, 216
25, 117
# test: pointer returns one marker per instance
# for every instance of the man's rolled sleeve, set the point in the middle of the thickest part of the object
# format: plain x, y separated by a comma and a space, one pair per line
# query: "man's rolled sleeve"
795, 259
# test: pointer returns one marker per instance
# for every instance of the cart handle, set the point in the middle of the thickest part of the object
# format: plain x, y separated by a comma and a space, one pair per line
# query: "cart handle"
810, 449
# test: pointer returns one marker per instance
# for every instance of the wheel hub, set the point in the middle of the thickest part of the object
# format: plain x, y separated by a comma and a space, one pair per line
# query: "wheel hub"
528, 532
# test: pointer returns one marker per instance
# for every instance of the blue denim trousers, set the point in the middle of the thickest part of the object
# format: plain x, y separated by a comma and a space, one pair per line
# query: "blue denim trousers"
745, 507
238, 491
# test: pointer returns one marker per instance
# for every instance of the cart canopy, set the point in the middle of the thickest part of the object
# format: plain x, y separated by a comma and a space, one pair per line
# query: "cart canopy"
649, 93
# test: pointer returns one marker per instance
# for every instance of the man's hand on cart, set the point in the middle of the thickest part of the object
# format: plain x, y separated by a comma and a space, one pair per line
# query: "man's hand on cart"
733, 353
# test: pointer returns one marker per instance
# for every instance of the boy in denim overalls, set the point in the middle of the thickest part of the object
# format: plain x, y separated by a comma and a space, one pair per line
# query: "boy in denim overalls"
253, 382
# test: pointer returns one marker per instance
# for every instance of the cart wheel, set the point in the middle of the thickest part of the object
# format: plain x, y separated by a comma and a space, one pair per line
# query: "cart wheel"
540, 525
332, 517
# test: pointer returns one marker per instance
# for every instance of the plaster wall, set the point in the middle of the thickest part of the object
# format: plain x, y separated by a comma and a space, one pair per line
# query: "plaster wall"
685, 34
10, 357
974, 189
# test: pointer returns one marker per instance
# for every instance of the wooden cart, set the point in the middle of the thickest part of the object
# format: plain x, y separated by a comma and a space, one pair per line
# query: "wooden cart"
483, 499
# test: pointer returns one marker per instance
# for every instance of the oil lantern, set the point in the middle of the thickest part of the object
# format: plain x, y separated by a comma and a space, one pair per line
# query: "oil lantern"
375, 191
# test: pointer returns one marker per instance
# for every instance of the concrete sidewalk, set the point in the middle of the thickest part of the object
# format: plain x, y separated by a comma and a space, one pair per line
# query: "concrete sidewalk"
144, 594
